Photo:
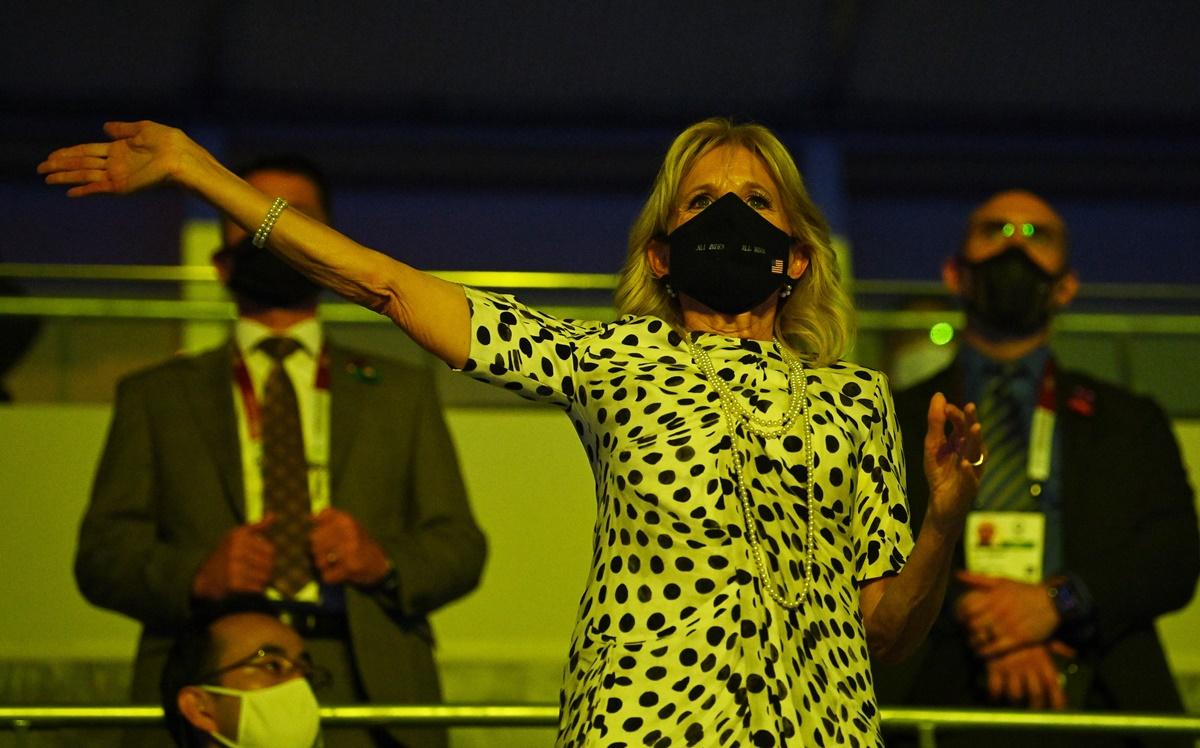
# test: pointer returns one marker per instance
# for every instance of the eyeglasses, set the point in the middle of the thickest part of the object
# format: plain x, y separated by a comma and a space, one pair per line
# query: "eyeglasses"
1034, 233
278, 666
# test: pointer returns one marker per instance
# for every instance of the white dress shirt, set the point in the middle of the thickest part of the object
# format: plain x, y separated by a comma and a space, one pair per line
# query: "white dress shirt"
301, 366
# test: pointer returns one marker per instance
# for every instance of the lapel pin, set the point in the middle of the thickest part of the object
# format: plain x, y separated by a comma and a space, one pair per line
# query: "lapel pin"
363, 371
1082, 401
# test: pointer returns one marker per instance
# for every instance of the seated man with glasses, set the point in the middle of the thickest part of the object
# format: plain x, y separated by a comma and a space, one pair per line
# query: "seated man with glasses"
240, 677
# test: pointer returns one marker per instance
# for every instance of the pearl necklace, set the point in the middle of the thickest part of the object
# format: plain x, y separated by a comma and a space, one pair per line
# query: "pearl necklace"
734, 410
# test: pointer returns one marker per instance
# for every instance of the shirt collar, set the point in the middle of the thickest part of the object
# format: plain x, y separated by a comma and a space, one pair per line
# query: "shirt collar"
978, 367
248, 333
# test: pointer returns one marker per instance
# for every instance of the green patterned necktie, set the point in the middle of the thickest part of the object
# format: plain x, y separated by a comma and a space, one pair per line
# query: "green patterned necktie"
1004, 486
285, 472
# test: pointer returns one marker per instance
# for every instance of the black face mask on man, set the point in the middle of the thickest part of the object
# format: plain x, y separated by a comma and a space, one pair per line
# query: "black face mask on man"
728, 257
1008, 295
264, 279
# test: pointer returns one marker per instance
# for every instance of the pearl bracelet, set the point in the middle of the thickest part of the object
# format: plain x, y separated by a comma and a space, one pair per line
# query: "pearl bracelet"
264, 229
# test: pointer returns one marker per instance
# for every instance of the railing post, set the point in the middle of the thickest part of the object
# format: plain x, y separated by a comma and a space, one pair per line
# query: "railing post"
20, 733
927, 735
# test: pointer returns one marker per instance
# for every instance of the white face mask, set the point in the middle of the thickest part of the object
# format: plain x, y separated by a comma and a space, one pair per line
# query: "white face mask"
282, 716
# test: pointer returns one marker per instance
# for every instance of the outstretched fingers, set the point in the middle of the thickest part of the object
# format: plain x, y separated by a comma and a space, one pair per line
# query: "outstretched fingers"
935, 441
974, 451
953, 456
965, 438
99, 187
61, 163
83, 165
86, 181
966, 435
82, 151
87, 156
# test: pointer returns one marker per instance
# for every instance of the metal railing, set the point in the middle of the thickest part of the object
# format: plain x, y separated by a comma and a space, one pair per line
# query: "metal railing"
532, 280
207, 273
924, 722
339, 312
586, 291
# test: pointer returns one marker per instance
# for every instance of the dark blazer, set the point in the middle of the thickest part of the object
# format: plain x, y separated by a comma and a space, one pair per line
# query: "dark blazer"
169, 485
1130, 533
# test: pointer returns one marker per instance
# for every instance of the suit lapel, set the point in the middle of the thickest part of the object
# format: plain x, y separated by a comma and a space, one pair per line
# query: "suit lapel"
210, 398
1072, 425
346, 404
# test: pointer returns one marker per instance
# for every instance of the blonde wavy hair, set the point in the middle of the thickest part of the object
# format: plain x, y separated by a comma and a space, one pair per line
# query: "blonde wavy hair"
817, 319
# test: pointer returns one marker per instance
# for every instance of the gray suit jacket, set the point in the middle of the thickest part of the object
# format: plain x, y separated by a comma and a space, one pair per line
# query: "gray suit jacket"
169, 485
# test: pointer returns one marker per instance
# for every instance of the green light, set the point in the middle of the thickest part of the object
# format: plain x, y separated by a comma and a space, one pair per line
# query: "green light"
1008, 229
1027, 229
941, 333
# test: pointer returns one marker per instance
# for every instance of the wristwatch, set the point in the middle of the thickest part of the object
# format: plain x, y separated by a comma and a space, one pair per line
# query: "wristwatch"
1074, 606
387, 588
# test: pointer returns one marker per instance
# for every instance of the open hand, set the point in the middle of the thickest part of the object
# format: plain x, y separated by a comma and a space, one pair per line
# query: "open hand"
140, 155
953, 463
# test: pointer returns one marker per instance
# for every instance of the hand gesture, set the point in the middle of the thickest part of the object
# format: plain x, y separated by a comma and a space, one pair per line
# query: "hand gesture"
242, 564
953, 463
1029, 676
140, 155
1001, 614
343, 550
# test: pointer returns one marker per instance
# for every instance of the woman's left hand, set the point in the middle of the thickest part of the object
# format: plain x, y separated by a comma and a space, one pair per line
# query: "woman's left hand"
953, 462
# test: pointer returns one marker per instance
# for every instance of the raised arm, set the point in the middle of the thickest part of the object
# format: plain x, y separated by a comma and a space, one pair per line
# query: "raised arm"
142, 155
898, 611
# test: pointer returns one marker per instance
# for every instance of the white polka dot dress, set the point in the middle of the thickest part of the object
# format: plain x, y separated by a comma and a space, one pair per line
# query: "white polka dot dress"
677, 644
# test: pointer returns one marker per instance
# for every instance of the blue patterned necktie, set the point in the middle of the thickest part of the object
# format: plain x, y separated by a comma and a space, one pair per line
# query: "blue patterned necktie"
285, 472
1004, 486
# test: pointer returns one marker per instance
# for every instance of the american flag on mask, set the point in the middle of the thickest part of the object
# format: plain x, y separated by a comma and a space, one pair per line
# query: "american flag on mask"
777, 267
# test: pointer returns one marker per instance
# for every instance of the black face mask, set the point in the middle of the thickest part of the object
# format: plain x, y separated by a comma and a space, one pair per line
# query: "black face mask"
1008, 295
264, 279
729, 257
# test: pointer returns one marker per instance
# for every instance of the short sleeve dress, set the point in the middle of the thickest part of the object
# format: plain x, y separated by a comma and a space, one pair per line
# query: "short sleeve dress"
677, 643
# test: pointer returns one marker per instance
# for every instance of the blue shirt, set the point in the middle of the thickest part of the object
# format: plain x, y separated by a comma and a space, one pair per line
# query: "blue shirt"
1025, 388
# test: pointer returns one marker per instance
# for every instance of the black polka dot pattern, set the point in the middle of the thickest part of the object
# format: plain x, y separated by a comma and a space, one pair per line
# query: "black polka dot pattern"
677, 644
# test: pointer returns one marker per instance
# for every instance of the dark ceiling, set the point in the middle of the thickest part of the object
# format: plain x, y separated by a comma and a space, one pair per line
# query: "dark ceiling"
520, 84
834, 62
902, 113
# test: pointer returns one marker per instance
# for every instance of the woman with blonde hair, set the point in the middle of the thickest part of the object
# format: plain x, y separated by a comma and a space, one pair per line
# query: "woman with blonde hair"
751, 542
817, 317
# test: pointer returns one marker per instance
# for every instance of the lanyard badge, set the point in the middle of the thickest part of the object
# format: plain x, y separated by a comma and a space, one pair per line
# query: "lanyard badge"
1041, 429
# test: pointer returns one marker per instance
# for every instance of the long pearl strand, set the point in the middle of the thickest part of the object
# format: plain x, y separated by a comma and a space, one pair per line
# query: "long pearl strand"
733, 409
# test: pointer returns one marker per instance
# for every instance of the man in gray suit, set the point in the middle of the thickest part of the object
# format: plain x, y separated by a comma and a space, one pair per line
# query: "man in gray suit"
355, 547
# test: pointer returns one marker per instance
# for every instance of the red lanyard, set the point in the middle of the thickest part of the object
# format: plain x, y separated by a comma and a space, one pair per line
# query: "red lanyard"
250, 401
1046, 389
1041, 429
